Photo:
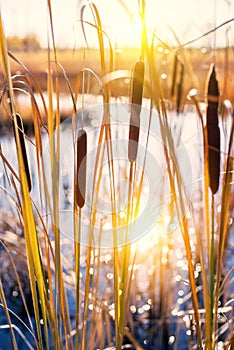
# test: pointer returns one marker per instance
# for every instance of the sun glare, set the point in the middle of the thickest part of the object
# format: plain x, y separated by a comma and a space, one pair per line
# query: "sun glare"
120, 20
124, 28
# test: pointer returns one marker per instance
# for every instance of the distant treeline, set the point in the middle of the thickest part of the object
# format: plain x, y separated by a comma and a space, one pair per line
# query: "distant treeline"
27, 43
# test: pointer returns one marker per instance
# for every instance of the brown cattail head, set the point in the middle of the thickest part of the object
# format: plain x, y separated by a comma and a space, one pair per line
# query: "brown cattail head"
180, 89
213, 131
136, 103
174, 75
20, 127
81, 167
137, 83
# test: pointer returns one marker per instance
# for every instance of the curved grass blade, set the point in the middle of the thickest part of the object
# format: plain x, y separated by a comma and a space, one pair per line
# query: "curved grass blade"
28, 72
35, 266
100, 32
4, 303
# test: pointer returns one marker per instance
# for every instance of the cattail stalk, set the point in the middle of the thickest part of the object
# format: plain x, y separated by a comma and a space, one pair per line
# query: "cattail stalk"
79, 201
136, 103
213, 135
81, 167
20, 127
213, 132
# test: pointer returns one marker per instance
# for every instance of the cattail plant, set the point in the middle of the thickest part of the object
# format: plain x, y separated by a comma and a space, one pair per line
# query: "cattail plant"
23, 148
79, 201
136, 103
213, 132
213, 138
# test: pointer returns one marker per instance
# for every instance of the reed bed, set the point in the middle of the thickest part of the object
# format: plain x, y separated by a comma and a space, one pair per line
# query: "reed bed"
121, 215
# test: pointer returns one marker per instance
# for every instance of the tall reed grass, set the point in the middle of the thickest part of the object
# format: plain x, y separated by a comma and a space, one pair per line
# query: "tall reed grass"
173, 285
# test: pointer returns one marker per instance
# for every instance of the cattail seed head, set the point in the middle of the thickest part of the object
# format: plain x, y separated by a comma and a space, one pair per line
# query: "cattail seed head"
136, 103
180, 90
19, 125
137, 83
213, 132
81, 167
174, 75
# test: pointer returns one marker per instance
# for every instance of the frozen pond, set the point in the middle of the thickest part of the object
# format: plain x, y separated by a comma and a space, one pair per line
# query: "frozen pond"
155, 196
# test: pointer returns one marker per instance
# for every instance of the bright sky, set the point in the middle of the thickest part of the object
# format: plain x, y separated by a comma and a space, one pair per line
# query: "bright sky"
188, 18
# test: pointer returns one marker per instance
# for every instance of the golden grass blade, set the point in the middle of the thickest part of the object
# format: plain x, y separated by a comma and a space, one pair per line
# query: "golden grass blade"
106, 133
226, 191
111, 53
94, 324
100, 32
207, 221
98, 26
68, 86
174, 179
35, 82
32, 247
224, 227
54, 139
143, 38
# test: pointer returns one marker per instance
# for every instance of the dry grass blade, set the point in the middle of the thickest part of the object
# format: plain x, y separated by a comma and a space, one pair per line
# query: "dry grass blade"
17, 277
226, 193
81, 167
38, 89
209, 32
100, 32
213, 132
35, 267
4, 303
136, 102
54, 133
20, 127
